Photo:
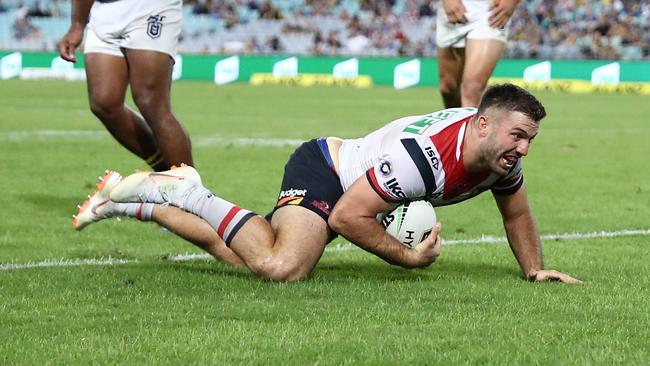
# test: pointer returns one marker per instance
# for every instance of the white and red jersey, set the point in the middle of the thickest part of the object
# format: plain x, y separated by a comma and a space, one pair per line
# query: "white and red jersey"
421, 157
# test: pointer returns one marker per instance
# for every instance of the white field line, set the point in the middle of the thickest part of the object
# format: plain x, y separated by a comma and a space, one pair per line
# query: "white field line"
245, 141
68, 263
337, 248
488, 239
214, 140
18, 136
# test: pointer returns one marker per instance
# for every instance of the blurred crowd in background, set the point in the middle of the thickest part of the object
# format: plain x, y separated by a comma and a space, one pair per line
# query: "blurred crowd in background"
544, 29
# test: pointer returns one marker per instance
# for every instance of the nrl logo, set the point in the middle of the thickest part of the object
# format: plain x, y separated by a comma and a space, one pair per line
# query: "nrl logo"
154, 25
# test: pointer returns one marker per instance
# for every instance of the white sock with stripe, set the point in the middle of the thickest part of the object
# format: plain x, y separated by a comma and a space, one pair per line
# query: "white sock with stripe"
140, 211
225, 218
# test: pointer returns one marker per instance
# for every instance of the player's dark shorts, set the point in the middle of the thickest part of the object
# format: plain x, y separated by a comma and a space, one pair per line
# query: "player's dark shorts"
310, 180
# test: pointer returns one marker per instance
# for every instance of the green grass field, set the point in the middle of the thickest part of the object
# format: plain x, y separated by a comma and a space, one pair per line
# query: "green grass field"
587, 172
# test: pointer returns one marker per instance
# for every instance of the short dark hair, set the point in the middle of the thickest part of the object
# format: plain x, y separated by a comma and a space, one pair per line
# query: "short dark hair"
512, 98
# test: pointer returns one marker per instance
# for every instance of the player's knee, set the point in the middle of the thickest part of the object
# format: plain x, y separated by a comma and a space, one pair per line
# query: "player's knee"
153, 106
146, 102
472, 89
277, 269
449, 86
337, 221
103, 109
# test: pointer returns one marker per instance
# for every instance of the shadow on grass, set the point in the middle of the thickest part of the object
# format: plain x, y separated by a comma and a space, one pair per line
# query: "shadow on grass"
52, 204
213, 268
448, 270
458, 268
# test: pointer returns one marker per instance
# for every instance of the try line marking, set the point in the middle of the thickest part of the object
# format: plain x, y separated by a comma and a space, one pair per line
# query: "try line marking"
108, 261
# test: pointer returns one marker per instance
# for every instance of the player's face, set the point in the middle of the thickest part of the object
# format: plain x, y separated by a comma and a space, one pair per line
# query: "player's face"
508, 139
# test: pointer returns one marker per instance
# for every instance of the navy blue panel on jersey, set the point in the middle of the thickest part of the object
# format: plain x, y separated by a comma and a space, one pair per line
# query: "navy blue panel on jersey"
509, 190
422, 163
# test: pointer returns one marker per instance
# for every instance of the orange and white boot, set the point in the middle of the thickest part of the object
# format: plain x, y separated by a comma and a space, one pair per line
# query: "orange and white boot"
168, 187
98, 205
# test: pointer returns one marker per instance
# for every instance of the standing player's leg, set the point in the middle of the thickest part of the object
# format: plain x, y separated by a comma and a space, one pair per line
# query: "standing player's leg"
107, 78
451, 61
150, 74
481, 57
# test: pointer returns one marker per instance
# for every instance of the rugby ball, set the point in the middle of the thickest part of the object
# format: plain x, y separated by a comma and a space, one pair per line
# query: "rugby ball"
411, 222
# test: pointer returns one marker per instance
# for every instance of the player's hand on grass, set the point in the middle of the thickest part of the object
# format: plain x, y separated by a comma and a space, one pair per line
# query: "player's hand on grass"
455, 11
501, 11
426, 252
69, 43
551, 275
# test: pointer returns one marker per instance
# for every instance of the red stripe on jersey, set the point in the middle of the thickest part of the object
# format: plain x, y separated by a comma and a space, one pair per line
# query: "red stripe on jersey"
457, 180
446, 142
372, 179
226, 220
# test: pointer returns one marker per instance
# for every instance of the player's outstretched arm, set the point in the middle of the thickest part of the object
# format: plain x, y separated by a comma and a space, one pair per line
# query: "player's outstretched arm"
523, 238
354, 217
72, 39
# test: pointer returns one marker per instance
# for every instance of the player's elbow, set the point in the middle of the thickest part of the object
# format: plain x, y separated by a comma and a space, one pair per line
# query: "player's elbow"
339, 221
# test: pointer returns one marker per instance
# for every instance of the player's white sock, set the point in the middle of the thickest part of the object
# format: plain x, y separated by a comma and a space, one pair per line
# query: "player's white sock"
225, 218
140, 211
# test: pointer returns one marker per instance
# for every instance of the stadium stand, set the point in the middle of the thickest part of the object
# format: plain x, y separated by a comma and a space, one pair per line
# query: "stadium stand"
549, 29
